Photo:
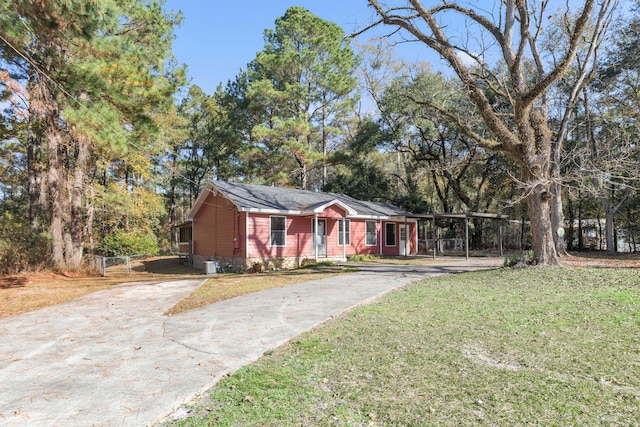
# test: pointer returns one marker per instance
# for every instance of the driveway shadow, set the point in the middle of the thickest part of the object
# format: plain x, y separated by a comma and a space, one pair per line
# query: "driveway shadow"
165, 265
12, 282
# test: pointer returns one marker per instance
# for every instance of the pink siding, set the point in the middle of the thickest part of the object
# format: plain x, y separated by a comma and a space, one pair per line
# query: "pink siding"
332, 211
394, 250
218, 228
358, 238
219, 231
298, 240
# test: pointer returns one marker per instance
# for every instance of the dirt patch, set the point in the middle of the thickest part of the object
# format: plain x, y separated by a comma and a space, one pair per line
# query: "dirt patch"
26, 292
601, 259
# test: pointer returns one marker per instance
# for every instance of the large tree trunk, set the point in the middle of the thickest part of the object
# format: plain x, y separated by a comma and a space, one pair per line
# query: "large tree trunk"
36, 183
36, 163
557, 218
538, 204
74, 237
55, 181
57, 178
91, 210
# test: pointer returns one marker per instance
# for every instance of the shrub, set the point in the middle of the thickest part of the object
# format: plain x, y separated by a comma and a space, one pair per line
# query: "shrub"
123, 243
20, 247
364, 257
519, 260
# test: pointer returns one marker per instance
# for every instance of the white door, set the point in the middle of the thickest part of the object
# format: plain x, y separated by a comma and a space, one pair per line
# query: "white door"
321, 238
404, 249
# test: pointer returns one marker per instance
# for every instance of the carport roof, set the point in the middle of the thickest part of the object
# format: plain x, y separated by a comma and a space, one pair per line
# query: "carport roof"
460, 215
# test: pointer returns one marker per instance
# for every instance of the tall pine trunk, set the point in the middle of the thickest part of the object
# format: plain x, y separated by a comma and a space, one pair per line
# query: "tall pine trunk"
74, 243
36, 184
56, 186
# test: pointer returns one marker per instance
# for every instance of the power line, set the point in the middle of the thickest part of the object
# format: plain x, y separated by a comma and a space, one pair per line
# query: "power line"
99, 119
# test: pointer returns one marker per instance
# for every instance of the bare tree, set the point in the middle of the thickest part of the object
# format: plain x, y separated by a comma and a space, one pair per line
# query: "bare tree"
511, 98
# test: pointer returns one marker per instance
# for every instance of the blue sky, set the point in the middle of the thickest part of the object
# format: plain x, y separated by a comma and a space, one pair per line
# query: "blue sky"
219, 37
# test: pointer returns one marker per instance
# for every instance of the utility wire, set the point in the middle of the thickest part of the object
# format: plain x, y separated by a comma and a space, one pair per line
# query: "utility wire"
99, 119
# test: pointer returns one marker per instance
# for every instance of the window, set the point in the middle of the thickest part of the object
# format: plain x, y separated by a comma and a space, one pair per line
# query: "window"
278, 230
342, 223
185, 235
371, 238
390, 234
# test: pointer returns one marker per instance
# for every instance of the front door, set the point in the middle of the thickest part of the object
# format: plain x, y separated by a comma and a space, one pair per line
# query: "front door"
320, 238
403, 240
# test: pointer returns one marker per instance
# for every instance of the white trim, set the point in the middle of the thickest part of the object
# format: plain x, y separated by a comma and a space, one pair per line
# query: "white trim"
406, 246
344, 238
246, 234
395, 234
185, 242
285, 231
343, 231
314, 231
202, 197
322, 208
375, 232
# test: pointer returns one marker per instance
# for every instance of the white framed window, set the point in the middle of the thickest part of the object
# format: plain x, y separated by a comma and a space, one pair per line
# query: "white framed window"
344, 231
278, 231
390, 234
371, 234
185, 235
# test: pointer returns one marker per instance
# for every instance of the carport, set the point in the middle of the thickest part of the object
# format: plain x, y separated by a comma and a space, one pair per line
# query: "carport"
465, 216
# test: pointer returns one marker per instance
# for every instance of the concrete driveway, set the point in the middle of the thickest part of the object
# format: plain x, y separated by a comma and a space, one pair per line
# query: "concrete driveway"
112, 359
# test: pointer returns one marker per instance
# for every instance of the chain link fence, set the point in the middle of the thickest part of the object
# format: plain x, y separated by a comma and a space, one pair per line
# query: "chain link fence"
118, 264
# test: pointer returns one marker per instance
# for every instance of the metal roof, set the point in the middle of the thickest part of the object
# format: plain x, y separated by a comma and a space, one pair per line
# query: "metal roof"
460, 215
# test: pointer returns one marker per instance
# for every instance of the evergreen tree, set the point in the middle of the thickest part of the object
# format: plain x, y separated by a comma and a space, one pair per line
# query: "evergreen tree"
299, 93
97, 78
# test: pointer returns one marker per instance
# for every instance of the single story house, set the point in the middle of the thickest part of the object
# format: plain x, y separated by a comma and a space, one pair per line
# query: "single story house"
241, 224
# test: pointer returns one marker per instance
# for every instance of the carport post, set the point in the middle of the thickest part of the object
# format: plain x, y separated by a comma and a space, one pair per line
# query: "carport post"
433, 234
381, 224
406, 237
500, 236
466, 237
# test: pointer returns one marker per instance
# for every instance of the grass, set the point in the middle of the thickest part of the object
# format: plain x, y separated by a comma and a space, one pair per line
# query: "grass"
225, 286
506, 347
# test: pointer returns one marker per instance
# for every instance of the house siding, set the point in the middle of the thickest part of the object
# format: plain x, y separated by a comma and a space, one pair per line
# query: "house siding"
298, 240
221, 232
394, 250
216, 229
358, 239
332, 212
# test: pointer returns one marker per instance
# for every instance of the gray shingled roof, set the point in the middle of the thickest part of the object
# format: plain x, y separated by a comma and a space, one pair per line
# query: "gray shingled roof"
254, 197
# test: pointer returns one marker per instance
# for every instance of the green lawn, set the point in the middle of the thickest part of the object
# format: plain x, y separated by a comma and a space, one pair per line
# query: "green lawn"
505, 347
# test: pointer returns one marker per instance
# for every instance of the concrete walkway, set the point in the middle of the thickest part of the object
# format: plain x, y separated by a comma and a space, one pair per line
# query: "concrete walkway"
112, 359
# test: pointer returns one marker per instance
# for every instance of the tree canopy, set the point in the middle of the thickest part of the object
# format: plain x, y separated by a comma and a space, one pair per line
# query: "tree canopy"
300, 91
